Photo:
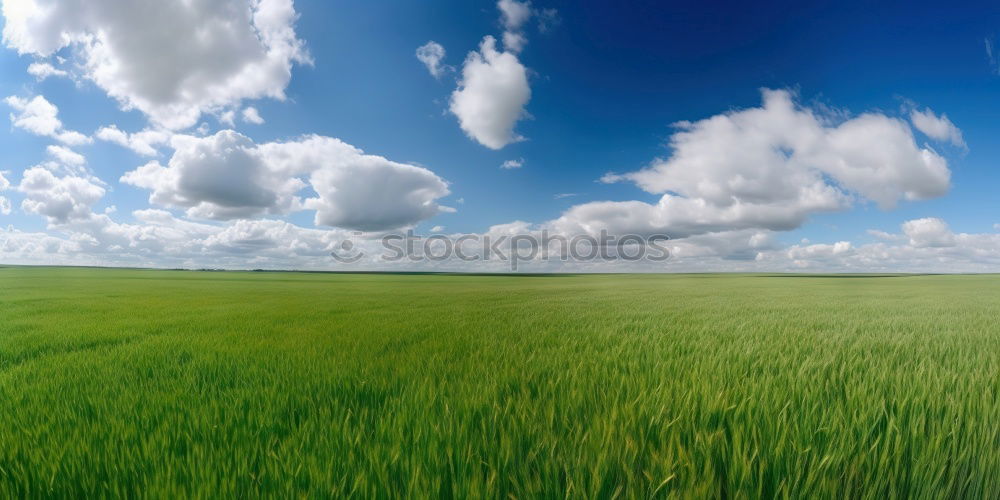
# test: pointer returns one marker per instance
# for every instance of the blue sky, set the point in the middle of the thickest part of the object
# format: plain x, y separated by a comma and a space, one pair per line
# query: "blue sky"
607, 80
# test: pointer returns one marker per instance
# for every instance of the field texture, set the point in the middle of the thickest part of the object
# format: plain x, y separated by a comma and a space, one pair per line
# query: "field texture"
185, 384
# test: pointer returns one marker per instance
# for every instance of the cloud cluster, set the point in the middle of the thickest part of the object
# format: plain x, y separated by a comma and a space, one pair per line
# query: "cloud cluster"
514, 15
493, 89
5, 207
922, 245
227, 176
171, 60
40, 117
159, 239
58, 199
769, 168
142, 143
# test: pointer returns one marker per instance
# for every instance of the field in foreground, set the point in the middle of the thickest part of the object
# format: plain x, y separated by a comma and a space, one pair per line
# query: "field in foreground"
180, 384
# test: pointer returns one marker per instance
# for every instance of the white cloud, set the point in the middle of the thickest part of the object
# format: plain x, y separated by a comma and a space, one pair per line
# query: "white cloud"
431, 54
228, 117
156, 56
36, 248
218, 177
143, 142
43, 70
514, 42
491, 96
40, 117
925, 245
367, 192
437, 229
800, 253
928, 232
59, 199
514, 13
251, 115
227, 176
160, 239
5, 207
66, 156
770, 168
882, 235
511, 164
939, 128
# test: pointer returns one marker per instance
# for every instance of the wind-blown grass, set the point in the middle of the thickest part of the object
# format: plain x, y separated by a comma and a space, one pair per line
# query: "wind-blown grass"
185, 384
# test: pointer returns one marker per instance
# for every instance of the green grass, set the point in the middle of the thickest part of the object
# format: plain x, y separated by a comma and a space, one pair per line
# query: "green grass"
184, 384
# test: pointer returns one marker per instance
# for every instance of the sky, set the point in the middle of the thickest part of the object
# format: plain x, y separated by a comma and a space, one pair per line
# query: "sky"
244, 134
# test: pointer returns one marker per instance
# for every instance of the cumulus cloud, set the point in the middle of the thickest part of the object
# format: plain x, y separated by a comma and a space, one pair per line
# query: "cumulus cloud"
770, 168
371, 193
218, 177
40, 117
4, 183
43, 70
512, 164
514, 13
939, 128
66, 156
251, 115
226, 176
431, 54
805, 253
491, 95
59, 199
171, 60
143, 142
928, 232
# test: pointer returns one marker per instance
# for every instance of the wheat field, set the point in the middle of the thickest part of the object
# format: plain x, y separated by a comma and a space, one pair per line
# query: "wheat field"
146, 383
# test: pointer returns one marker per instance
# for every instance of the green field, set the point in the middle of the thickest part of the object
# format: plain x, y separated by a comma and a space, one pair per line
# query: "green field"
197, 384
